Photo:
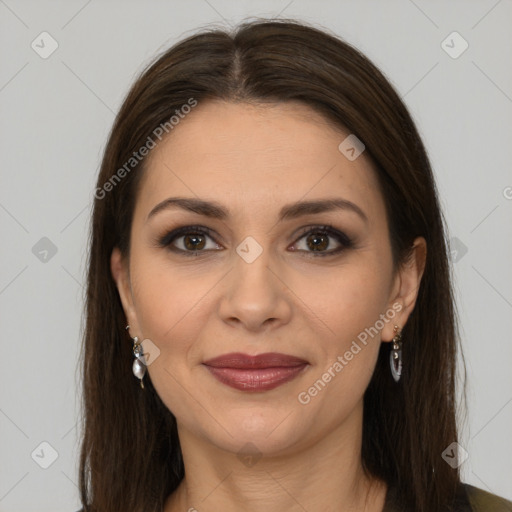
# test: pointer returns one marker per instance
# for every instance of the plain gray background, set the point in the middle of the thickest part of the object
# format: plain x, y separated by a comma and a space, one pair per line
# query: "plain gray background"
56, 113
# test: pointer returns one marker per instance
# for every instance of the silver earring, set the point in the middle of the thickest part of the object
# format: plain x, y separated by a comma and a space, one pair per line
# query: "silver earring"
139, 363
395, 356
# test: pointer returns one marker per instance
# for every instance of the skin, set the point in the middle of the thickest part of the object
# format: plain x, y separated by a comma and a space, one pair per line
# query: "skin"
254, 160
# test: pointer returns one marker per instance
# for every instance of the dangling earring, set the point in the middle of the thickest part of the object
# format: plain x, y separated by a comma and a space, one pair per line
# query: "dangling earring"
139, 363
395, 356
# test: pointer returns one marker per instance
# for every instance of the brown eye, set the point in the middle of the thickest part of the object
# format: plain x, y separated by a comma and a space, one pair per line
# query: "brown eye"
190, 241
319, 239
194, 242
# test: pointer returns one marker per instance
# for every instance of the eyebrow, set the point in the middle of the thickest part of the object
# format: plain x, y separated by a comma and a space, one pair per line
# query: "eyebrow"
215, 210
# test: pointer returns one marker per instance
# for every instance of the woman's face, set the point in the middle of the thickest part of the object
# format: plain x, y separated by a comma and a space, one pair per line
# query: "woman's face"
266, 276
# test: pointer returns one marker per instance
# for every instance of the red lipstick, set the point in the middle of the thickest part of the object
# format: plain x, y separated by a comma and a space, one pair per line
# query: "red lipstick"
255, 373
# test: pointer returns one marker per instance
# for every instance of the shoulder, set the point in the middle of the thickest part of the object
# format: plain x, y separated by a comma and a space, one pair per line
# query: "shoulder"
483, 501
468, 499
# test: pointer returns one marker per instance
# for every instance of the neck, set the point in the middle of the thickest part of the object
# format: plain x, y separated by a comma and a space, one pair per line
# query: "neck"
325, 475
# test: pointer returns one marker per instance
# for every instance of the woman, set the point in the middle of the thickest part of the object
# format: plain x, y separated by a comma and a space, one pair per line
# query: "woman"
270, 321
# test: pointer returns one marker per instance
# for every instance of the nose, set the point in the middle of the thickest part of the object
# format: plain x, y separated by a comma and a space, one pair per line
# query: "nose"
255, 295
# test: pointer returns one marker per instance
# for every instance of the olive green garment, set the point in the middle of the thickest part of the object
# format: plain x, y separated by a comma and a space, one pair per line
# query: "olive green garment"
469, 499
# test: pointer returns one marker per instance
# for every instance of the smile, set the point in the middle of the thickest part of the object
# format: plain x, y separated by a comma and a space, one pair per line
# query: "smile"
255, 373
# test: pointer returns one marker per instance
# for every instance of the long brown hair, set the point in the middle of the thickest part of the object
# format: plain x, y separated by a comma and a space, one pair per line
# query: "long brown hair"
130, 454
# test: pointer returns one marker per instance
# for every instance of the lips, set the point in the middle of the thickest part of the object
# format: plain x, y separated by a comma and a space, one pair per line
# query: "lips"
255, 373
268, 360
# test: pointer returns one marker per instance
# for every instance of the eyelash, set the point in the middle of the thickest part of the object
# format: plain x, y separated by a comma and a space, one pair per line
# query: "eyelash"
342, 238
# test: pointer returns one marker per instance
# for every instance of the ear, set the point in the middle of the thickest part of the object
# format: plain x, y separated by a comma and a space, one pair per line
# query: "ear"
121, 275
405, 288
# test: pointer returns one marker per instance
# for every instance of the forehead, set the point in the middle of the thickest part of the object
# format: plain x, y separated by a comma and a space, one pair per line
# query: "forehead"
254, 156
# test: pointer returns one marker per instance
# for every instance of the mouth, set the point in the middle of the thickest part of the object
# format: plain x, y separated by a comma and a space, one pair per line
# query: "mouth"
255, 373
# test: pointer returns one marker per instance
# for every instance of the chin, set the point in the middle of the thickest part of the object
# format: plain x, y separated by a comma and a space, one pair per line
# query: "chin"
264, 432
258, 444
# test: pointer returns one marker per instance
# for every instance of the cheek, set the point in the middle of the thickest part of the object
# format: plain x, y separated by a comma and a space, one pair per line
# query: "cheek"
347, 299
350, 302
348, 357
169, 304
357, 308
172, 311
